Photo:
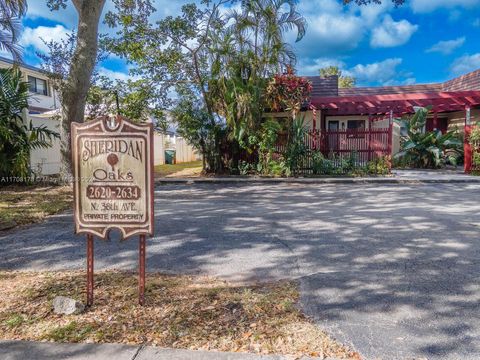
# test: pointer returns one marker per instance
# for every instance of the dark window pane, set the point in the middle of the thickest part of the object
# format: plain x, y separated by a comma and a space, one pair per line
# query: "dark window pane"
41, 87
356, 125
31, 84
38, 86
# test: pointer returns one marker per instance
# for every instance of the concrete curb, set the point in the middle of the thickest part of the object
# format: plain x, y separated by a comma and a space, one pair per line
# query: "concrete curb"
20, 350
382, 180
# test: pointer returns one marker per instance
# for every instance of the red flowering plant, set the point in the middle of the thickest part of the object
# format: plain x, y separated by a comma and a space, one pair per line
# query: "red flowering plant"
291, 93
288, 92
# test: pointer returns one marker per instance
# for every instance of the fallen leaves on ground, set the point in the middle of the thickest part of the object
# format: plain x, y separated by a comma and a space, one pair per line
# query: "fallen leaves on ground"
30, 204
188, 312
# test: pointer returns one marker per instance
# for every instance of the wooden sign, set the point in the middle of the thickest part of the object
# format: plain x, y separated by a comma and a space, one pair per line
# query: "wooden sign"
113, 185
112, 160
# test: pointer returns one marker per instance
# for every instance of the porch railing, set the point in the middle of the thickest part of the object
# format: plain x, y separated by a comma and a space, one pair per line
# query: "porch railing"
368, 144
359, 147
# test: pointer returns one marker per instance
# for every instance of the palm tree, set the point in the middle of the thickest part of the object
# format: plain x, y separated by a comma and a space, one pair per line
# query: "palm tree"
17, 139
262, 24
11, 12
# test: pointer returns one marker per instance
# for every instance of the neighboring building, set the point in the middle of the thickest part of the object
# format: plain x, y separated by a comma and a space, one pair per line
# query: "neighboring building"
43, 105
43, 98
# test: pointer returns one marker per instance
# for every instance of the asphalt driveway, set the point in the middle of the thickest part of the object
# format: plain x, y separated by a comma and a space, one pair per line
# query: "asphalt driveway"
391, 269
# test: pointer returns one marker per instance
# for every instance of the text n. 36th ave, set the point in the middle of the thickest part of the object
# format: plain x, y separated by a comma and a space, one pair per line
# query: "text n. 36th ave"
113, 206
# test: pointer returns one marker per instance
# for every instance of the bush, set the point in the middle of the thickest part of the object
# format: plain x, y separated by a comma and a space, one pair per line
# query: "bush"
349, 166
379, 166
428, 149
277, 168
296, 148
244, 168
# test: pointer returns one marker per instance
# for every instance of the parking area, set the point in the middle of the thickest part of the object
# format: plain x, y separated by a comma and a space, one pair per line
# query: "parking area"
390, 269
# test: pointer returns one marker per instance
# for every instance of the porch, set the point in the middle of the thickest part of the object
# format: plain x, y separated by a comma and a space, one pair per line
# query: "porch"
449, 110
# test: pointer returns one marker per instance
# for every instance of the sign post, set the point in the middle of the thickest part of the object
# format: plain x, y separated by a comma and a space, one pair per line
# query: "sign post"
113, 185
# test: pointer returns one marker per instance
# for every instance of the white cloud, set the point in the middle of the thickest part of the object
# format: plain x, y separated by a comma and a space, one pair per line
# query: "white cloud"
426, 6
67, 16
447, 47
114, 75
392, 33
465, 64
409, 81
382, 72
334, 29
328, 34
33, 36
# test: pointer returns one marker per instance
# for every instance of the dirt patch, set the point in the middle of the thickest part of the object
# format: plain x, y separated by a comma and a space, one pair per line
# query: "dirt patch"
187, 173
188, 169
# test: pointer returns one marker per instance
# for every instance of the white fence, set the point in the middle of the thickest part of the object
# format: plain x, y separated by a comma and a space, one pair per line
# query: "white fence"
46, 161
158, 149
185, 152
49, 161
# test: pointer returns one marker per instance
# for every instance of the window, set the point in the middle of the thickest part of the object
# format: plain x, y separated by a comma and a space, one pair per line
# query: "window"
37, 86
355, 125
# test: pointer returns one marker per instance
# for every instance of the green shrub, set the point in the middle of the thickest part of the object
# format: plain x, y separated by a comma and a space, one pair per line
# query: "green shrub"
244, 168
277, 168
429, 149
379, 166
296, 148
476, 160
474, 137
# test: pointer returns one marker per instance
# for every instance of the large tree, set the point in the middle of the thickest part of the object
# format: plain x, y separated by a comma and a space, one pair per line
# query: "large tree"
174, 55
74, 93
221, 57
11, 12
84, 58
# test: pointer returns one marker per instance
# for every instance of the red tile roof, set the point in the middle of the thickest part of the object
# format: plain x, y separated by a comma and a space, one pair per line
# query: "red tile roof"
385, 90
328, 87
470, 81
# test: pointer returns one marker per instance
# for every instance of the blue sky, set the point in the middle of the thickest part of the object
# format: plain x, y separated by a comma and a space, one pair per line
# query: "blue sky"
420, 42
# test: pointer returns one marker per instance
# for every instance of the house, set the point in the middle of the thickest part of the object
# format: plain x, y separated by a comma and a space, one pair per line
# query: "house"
360, 119
362, 107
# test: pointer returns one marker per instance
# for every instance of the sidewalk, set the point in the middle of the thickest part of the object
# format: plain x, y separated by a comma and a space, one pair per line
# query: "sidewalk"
21, 350
397, 177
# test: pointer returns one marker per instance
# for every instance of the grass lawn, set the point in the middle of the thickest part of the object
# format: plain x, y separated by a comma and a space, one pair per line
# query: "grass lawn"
29, 204
189, 312
164, 170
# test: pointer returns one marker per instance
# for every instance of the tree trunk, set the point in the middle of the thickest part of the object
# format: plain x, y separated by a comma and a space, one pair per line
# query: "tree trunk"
74, 94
